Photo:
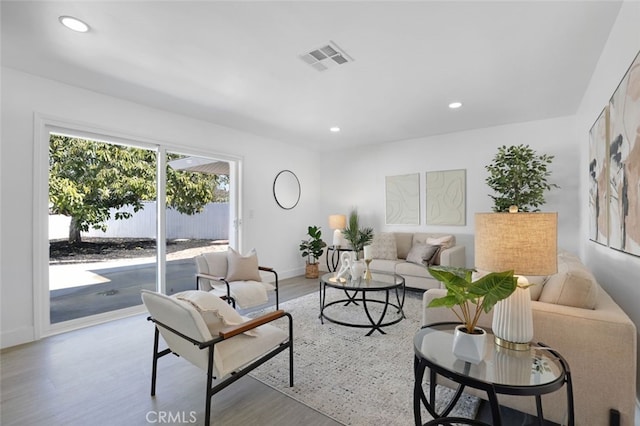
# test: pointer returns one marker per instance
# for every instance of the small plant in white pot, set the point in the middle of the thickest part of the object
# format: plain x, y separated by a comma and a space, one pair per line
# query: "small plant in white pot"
468, 299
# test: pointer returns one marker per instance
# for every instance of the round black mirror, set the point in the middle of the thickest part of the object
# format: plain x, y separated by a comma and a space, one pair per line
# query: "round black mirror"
286, 189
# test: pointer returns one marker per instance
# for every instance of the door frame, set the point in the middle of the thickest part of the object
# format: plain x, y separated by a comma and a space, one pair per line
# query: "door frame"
43, 126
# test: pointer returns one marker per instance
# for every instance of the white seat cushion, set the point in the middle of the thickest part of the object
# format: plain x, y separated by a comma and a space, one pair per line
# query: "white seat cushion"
412, 269
384, 265
247, 294
240, 350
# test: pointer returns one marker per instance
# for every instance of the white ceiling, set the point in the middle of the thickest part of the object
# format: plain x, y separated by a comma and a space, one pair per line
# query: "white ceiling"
237, 63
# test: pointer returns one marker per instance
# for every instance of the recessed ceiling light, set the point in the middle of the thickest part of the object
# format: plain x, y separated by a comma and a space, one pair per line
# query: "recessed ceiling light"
334, 129
74, 24
454, 105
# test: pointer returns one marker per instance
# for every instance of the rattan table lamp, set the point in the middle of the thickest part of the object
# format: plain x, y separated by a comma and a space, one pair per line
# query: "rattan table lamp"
527, 244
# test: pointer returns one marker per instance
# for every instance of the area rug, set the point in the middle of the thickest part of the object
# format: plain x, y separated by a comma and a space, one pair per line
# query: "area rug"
348, 376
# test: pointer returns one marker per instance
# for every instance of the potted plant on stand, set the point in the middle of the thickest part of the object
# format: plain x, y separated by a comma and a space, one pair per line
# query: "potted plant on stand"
358, 238
468, 299
312, 249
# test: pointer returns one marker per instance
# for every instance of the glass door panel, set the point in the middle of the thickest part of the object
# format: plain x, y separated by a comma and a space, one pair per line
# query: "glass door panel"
197, 218
102, 226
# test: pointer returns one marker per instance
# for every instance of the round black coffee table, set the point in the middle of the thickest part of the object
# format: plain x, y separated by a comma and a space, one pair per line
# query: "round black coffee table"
358, 291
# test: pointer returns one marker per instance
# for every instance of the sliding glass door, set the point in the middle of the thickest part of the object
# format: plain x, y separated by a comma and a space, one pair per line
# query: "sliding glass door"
122, 217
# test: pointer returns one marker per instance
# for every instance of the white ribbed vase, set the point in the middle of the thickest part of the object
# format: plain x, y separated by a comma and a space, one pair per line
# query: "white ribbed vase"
513, 320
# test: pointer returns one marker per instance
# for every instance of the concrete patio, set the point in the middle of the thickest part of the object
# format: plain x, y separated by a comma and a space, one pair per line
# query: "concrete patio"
84, 289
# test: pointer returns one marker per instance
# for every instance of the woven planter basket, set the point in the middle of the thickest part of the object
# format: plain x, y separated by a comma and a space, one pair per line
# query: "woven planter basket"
311, 270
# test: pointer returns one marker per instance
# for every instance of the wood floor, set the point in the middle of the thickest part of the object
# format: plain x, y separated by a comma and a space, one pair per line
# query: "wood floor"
101, 375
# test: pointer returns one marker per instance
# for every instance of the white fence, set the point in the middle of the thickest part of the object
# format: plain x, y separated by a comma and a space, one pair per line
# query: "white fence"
212, 223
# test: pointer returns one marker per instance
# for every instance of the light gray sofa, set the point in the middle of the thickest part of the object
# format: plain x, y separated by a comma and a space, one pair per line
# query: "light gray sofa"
390, 250
574, 315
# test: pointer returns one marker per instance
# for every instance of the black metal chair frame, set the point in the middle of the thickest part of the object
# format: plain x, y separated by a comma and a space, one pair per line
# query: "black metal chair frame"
203, 276
210, 345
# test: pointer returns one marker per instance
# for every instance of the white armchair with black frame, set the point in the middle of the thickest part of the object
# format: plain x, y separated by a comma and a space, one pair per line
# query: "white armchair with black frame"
206, 331
237, 277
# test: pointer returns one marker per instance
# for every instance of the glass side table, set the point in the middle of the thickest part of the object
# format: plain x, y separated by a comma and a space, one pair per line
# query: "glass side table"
535, 372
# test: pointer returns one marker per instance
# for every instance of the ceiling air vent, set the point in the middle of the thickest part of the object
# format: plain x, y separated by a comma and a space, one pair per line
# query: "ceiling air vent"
326, 57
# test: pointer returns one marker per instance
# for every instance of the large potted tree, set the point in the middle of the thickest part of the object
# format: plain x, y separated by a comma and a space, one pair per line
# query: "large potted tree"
518, 175
311, 249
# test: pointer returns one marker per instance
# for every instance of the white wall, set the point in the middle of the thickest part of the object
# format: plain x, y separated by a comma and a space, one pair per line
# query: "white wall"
356, 177
264, 223
618, 273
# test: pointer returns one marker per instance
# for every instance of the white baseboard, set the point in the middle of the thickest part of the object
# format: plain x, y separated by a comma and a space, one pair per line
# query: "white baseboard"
637, 421
17, 337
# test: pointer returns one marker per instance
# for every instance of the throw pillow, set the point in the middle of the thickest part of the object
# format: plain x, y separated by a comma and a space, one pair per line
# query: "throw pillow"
242, 268
404, 242
444, 242
216, 312
537, 284
573, 285
383, 246
422, 254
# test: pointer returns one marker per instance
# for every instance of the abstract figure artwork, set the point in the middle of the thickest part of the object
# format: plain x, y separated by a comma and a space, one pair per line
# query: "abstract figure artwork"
624, 163
446, 197
403, 199
599, 179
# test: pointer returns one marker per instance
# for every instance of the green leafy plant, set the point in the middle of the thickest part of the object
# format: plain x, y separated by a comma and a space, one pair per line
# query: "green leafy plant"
358, 237
313, 247
89, 181
519, 176
467, 298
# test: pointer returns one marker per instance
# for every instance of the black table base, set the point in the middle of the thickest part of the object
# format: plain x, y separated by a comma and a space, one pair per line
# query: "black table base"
492, 390
375, 324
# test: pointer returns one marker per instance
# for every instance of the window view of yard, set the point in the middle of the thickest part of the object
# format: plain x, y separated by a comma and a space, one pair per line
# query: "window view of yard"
102, 223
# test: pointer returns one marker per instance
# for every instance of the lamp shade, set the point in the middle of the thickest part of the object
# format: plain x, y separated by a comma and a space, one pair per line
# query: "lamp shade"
337, 221
526, 243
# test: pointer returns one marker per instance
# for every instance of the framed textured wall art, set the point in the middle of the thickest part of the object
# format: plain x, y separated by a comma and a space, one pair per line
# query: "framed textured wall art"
446, 197
599, 179
624, 163
402, 199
